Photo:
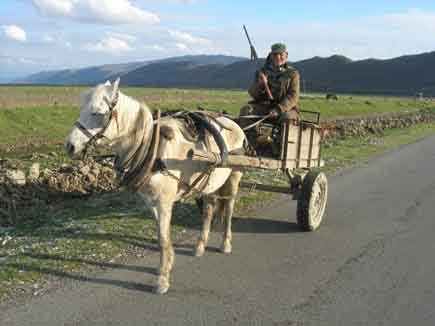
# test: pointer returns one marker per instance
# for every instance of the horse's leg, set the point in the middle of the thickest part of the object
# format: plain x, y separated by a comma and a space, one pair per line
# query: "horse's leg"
229, 189
164, 212
207, 215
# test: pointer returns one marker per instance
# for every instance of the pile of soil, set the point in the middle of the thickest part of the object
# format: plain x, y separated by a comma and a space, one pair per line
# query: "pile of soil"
20, 190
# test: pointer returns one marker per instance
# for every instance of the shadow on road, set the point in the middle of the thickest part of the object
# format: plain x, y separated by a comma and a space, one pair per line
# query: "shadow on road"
144, 243
264, 225
76, 277
142, 269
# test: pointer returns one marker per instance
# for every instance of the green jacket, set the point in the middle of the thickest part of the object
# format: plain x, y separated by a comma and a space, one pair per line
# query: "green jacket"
284, 85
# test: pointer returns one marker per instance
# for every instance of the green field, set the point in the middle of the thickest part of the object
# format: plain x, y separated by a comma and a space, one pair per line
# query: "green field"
40, 115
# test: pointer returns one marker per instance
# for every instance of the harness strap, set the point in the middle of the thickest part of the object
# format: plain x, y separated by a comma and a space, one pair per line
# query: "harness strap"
217, 135
138, 176
201, 181
136, 156
257, 122
83, 129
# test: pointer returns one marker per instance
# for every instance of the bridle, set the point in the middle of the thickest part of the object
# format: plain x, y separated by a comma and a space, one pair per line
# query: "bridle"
100, 134
136, 168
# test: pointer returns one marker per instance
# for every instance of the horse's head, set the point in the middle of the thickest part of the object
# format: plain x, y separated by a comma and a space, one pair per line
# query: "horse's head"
97, 114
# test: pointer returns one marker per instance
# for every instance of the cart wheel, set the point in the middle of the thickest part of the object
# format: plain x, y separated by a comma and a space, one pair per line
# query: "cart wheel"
312, 200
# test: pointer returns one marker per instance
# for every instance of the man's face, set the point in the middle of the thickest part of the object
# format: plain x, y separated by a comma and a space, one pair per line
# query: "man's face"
279, 59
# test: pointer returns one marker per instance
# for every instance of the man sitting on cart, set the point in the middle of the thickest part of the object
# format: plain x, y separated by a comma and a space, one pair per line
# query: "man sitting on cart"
275, 89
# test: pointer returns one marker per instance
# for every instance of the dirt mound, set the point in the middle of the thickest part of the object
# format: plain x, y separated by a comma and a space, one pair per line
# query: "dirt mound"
20, 190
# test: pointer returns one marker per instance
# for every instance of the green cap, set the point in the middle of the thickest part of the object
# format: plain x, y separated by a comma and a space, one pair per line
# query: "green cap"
278, 48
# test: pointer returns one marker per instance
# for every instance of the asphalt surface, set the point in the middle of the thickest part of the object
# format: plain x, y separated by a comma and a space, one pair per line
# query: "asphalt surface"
370, 263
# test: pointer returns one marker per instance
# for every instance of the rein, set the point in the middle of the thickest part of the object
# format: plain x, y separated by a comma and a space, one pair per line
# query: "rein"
256, 122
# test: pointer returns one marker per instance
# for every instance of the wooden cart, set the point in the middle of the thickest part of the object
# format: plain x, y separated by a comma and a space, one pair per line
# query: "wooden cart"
299, 158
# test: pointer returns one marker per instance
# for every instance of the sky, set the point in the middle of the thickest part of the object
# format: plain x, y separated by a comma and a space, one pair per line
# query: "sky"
40, 35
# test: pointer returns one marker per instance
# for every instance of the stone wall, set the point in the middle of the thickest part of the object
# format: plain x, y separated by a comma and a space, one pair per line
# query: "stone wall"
376, 125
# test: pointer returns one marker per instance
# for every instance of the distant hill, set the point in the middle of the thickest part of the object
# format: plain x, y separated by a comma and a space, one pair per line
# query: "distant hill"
98, 74
86, 76
404, 75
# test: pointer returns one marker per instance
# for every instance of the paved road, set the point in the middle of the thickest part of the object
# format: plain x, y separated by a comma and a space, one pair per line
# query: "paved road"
371, 263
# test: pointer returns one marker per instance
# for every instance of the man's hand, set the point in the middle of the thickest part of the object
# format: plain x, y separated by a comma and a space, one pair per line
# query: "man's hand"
293, 114
274, 114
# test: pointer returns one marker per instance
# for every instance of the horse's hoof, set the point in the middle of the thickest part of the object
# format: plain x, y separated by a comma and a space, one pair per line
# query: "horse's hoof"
162, 286
161, 289
199, 250
226, 248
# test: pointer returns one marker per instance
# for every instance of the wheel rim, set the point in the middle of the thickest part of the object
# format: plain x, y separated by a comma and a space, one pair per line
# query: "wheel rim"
319, 194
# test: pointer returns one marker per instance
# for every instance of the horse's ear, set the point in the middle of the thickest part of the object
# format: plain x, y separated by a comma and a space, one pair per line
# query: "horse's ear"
115, 89
108, 83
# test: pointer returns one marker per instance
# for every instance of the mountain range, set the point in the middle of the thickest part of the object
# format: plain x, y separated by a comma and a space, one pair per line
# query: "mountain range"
405, 75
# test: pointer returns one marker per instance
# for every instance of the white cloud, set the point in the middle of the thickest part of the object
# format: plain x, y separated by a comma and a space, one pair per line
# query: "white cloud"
154, 47
97, 11
181, 46
110, 45
188, 38
123, 36
410, 20
10, 60
26, 61
15, 33
57, 41
55, 7
7, 60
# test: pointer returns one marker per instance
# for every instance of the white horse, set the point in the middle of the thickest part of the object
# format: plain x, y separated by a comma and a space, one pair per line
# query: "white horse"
109, 117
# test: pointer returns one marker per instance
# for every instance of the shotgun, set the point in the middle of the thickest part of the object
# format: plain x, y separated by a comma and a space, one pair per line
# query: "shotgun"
254, 57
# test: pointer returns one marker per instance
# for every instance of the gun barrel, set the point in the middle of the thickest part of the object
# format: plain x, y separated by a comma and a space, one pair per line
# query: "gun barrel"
254, 55
247, 35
